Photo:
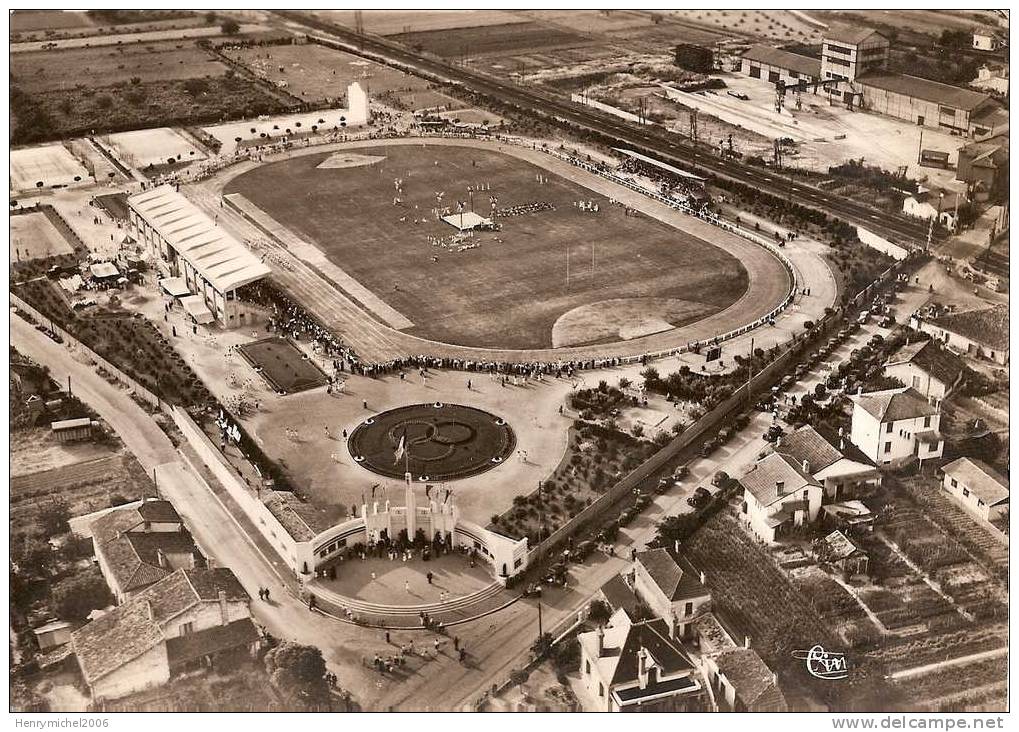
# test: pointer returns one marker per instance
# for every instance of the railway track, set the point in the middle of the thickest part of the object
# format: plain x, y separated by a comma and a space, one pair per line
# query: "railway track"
663, 145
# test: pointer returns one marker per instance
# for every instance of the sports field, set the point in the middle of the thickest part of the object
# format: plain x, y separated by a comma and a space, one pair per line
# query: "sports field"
34, 237
141, 148
282, 365
510, 289
50, 165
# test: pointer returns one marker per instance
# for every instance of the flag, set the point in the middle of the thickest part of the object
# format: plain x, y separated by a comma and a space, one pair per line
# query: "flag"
401, 448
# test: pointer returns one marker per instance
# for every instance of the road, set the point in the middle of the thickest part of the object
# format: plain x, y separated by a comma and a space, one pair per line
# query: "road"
655, 142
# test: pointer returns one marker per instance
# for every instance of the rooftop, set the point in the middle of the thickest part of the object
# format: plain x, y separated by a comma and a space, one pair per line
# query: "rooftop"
930, 91
840, 546
981, 479
807, 444
764, 479
222, 260
675, 576
988, 327
750, 676
891, 405
784, 59
851, 34
930, 358
623, 640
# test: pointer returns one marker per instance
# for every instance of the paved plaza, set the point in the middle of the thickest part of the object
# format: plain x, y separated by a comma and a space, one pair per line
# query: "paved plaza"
386, 581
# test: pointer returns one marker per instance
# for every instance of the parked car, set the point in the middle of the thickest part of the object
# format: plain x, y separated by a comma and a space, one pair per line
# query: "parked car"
700, 498
773, 433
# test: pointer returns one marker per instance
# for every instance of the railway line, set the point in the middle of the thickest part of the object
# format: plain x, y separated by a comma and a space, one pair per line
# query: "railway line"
895, 228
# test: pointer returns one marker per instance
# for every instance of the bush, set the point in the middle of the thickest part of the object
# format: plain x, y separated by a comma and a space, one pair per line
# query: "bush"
76, 596
230, 27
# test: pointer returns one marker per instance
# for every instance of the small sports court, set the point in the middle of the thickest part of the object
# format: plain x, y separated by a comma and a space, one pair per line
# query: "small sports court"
141, 148
282, 364
48, 165
33, 236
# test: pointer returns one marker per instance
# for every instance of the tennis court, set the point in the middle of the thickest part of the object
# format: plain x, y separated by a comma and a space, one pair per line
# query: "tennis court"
142, 148
44, 167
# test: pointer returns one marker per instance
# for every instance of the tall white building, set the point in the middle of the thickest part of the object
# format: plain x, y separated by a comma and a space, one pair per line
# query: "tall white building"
894, 425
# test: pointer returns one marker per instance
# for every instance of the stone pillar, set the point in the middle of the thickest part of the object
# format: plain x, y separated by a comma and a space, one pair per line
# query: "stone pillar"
412, 514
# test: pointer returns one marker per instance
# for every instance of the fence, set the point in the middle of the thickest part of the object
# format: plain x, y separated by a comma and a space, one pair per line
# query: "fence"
136, 389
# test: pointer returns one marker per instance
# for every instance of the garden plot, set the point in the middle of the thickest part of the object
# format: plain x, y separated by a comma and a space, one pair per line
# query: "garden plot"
45, 166
33, 236
160, 146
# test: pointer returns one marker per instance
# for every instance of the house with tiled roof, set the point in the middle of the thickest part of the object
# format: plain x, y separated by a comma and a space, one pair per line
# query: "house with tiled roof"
976, 333
637, 666
674, 590
977, 487
984, 166
842, 471
774, 64
742, 682
138, 545
927, 367
184, 621
778, 497
894, 426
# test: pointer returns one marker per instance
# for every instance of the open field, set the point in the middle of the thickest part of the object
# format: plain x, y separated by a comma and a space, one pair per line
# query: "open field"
34, 237
50, 165
511, 289
389, 22
26, 21
491, 40
776, 25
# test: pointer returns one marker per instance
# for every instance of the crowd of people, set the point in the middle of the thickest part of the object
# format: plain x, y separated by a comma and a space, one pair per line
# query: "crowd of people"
524, 208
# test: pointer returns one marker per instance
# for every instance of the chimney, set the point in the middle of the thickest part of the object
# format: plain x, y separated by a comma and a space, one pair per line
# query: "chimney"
746, 641
599, 637
778, 441
223, 615
780, 487
806, 467
149, 611
675, 546
642, 676
160, 558
704, 578
859, 390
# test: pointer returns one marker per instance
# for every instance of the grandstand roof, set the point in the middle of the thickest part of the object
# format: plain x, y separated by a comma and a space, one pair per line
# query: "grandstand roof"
659, 164
222, 260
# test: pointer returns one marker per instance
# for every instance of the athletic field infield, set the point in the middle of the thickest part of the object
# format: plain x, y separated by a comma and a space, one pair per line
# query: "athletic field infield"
559, 275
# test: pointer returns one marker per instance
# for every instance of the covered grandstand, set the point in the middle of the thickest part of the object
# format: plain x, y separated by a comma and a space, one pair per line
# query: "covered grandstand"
191, 246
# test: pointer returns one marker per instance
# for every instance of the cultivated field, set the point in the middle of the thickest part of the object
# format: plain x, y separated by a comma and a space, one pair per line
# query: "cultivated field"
491, 40
776, 25
388, 22
26, 21
509, 289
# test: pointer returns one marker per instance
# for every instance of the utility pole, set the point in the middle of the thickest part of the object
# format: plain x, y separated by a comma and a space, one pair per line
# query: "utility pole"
919, 147
540, 630
68, 385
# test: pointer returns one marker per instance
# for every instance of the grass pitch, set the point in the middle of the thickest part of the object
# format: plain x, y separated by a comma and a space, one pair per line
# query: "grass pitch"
511, 290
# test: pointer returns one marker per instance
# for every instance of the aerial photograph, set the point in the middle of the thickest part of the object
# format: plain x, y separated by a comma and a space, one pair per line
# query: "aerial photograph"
496, 360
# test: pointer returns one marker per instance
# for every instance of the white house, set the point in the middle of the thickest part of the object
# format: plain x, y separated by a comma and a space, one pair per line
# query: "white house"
842, 473
742, 682
928, 204
984, 40
185, 621
993, 77
926, 367
977, 333
779, 496
977, 487
672, 588
637, 666
893, 426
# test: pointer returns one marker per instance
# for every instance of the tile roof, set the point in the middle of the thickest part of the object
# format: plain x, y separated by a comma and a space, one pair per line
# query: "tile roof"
185, 648
988, 327
891, 405
619, 595
847, 33
981, 479
784, 60
136, 626
219, 257
930, 91
675, 576
929, 357
753, 681
806, 444
762, 480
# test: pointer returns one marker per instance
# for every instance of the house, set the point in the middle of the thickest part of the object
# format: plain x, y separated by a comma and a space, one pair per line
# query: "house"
52, 635
841, 471
184, 621
977, 333
632, 666
842, 553
618, 595
848, 516
72, 430
983, 166
986, 40
672, 588
928, 368
742, 682
977, 487
927, 205
138, 545
778, 496
992, 77
893, 426
773, 64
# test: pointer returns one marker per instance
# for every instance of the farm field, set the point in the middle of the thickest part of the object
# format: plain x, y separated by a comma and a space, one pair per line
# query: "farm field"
491, 40
389, 22
775, 25
27, 21
509, 290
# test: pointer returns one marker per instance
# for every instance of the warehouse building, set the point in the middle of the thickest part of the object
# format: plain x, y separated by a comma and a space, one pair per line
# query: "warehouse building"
192, 248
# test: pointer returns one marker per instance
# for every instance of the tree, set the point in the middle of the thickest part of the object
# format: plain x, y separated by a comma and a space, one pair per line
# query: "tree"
298, 673
33, 556
75, 597
599, 612
230, 27
53, 518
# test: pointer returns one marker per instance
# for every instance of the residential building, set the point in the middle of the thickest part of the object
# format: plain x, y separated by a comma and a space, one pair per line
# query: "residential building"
929, 204
742, 682
52, 635
773, 64
632, 666
185, 621
139, 545
986, 40
842, 471
893, 426
842, 553
992, 77
850, 51
976, 333
193, 247
977, 487
983, 166
927, 367
778, 497
672, 588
